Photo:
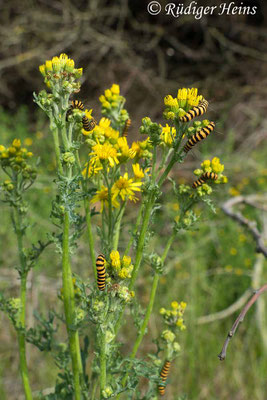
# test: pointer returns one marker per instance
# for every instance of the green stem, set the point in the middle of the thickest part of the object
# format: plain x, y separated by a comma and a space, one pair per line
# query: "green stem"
69, 307
141, 241
117, 228
135, 229
88, 219
139, 254
57, 149
90, 235
23, 295
22, 342
149, 309
103, 373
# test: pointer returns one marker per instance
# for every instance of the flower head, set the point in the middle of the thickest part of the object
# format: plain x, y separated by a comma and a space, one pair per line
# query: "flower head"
168, 134
104, 152
125, 188
102, 197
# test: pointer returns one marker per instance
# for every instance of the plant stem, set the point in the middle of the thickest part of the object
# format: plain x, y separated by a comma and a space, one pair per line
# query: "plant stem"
90, 235
102, 361
117, 227
88, 219
23, 294
135, 229
141, 241
149, 309
69, 307
57, 149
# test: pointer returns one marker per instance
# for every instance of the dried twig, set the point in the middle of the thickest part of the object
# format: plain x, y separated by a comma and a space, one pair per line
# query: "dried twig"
250, 225
239, 319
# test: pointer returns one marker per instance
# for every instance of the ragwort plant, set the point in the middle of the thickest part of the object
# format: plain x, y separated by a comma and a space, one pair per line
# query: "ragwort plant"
100, 175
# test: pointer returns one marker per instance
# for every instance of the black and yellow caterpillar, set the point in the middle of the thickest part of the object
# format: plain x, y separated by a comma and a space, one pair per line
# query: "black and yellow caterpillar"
204, 178
88, 124
74, 104
198, 136
126, 127
164, 375
195, 111
101, 272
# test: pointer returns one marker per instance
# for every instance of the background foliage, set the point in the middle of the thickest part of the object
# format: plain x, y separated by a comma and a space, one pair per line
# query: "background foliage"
150, 57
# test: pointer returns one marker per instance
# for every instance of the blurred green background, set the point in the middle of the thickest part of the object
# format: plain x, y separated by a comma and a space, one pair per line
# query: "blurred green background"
210, 268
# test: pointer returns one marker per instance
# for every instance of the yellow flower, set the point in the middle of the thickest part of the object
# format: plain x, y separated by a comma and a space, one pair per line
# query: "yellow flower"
138, 172
123, 147
105, 152
2, 148
175, 305
234, 192
115, 89
125, 188
183, 304
28, 142
217, 167
108, 93
233, 251
16, 143
42, 69
126, 261
125, 273
102, 196
188, 97
140, 149
115, 259
206, 165
168, 134
170, 101
91, 169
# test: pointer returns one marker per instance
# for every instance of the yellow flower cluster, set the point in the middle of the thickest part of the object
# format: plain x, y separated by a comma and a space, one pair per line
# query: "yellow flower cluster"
186, 99
15, 157
215, 166
60, 64
61, 67
174, 316
121, 267
168, 135
124, 189
112, 104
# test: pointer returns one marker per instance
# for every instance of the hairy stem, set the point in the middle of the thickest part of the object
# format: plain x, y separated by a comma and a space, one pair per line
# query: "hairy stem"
103, 373
57, 148
90, 235
88, 219
117, 227
149, 309
23, 294
69, 307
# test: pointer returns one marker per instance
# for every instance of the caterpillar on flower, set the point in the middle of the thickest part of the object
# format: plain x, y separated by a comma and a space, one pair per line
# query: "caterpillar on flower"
101, 272
126, 127
198, 136
195, 111
203, 178
164, 375
88, 124
74, 104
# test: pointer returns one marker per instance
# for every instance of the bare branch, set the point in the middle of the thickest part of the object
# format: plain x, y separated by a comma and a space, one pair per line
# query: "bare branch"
239, 319
250, 225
